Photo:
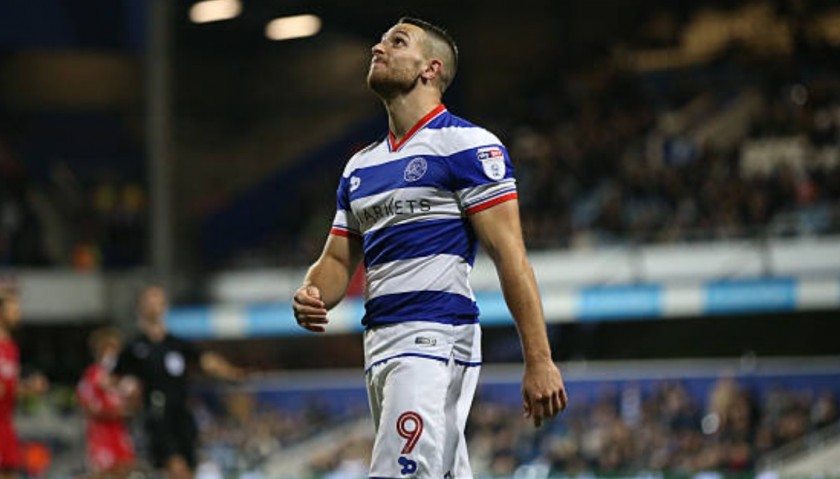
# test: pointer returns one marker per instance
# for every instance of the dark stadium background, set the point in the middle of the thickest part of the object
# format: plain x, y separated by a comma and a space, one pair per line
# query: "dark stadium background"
174, 152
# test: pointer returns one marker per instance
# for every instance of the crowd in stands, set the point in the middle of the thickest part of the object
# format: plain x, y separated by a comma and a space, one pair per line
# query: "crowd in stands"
241, 431
62, 220
610, 154
624, 431
20, 234
615, 169
245, 438
618, 152
620, 429
605, 153
667, 431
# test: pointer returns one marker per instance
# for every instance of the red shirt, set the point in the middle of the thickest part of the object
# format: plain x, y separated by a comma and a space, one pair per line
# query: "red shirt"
108, 440
9, 369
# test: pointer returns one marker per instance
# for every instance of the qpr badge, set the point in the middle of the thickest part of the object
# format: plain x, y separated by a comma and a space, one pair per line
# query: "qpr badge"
492, 162
415, 169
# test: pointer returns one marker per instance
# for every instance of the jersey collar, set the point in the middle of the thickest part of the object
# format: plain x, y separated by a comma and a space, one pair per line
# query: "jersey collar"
395, 145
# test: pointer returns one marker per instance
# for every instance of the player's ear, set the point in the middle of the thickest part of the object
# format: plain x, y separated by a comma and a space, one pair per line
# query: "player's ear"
433, 69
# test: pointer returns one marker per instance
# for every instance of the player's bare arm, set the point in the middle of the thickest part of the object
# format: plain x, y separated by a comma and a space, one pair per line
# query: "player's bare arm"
217, 366
326, 282
500, 233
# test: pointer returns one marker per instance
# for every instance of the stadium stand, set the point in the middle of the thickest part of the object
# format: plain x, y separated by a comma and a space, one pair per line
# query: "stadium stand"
674, 418
686, 167
615, 153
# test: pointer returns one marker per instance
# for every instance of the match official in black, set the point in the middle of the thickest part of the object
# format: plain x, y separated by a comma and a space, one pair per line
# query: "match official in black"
160, 362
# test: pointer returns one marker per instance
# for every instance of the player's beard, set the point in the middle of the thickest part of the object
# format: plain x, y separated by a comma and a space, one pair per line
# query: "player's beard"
389, 84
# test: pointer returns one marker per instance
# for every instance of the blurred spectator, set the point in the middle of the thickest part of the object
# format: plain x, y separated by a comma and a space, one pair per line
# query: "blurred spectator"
824, 410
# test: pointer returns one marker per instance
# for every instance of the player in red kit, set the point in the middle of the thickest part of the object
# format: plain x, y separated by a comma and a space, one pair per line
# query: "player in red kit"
110, 450
11, 460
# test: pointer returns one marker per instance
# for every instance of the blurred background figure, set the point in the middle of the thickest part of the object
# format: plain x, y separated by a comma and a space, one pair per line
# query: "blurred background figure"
107, 405
160, 362
11, 385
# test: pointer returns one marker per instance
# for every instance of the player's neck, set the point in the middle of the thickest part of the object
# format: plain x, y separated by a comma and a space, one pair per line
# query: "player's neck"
406, 110
4, 333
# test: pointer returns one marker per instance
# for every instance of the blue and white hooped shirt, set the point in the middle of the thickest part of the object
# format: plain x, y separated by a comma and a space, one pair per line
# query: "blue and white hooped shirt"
409, 203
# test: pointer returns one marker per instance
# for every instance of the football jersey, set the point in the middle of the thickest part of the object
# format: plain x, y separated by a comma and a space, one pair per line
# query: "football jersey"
409, 203
10, 454
93, 392
109, 441
161, 367
9, 371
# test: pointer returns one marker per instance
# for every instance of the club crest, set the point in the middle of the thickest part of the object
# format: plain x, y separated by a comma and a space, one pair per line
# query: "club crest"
415, 169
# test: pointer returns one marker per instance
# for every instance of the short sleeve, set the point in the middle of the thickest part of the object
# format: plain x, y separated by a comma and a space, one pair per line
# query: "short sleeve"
345, 223
483, 178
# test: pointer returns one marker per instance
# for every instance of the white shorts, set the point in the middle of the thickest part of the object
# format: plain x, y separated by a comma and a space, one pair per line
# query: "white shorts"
421, 378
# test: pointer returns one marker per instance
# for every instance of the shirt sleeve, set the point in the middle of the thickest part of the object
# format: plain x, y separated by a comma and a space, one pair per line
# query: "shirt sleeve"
483, 177
345, 223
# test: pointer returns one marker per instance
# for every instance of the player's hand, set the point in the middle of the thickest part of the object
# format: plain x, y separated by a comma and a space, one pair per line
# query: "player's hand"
543, 392
310, 311
131, 390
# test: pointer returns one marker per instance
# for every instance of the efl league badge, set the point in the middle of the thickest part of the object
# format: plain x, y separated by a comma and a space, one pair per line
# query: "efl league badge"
492, 162
415, 169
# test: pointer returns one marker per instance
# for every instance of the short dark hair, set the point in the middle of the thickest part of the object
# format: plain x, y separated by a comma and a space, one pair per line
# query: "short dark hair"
442, 35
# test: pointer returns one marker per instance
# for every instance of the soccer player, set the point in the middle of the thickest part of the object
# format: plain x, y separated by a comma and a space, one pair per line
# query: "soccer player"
110, 449
160, 360
414, 205
11, 462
